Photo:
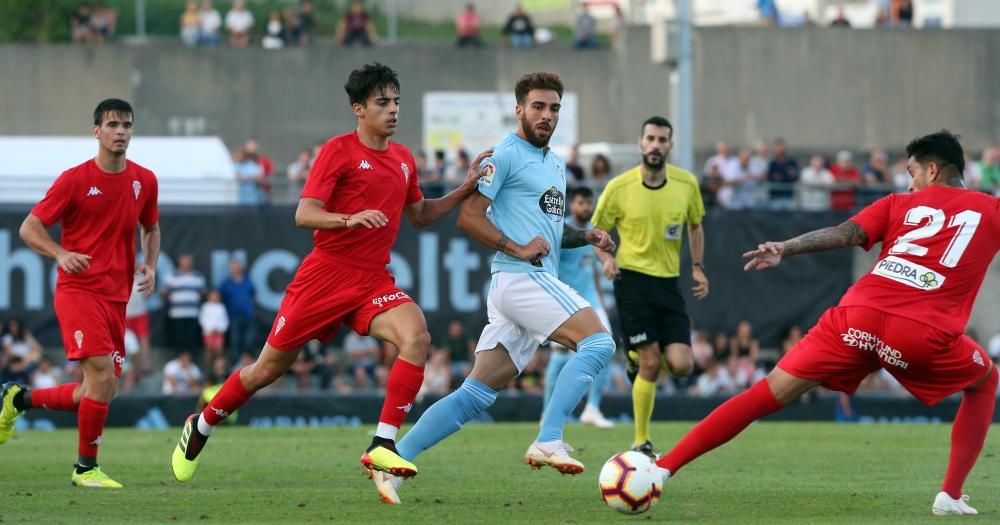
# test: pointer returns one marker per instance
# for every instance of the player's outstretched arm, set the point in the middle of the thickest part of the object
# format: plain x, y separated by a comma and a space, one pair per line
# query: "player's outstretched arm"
428, 211
769, 254
36, 236
472, 218
310, 215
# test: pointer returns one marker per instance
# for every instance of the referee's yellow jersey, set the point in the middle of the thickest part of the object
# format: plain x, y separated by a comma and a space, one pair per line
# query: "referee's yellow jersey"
650, 221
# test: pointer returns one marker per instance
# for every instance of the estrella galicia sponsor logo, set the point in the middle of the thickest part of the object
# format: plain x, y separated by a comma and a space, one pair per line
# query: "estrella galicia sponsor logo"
638, 338
908, 273
553, 204
388, 298
870, 342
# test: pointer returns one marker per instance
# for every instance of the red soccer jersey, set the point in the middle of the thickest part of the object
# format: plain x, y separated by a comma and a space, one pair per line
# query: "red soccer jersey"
99, 212
350, 177
937, 244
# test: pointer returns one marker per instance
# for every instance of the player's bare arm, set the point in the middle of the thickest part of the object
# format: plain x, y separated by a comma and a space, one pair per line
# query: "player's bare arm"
428, 211
36, 236
697, 243
574, 238
151, 252
769, 254
472, 218
310, 215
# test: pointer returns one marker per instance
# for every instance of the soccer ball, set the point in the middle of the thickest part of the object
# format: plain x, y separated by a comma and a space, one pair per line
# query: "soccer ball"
630, 482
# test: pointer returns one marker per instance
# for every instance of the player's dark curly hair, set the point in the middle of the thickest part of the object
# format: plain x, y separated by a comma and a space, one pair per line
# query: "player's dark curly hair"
537, 81
941, 148
581, 191
369, 80
115, 106
659, 122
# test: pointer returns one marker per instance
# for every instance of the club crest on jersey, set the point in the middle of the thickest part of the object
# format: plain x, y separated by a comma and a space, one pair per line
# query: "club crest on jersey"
136, 187
78, 336
553, 204
406, 171
908, 273
488, 169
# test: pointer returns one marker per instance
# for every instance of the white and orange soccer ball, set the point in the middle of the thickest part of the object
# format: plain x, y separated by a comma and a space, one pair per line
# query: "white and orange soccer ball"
630, 482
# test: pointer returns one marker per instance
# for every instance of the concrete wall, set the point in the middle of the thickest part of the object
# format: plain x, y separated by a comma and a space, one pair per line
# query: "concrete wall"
820, 88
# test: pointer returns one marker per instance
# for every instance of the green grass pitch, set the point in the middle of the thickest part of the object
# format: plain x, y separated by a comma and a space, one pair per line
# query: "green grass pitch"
772, 473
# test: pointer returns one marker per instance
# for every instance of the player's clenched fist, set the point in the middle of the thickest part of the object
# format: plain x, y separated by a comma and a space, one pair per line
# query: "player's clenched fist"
767, 255
72, 262
534, 250
367, 218
601, 240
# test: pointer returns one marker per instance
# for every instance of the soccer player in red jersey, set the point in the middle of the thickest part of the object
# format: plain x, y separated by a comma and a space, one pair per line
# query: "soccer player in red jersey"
99, 203
359, 187
907, 315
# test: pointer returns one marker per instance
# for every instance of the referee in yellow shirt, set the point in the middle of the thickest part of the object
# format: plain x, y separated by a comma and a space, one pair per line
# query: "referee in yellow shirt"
649, 205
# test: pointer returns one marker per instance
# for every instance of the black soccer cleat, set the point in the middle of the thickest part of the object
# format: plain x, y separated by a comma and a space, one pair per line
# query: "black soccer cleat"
646, 448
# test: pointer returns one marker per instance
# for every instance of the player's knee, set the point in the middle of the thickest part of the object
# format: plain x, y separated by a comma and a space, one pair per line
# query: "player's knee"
416, 347
649, 361
681, 367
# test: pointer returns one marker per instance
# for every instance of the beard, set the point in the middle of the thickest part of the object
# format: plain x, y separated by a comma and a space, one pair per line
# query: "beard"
583, 218
532, 137
654, 165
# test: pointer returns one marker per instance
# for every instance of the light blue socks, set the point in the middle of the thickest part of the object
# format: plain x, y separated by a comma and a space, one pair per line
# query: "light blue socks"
446, 417
557, 360
592, 354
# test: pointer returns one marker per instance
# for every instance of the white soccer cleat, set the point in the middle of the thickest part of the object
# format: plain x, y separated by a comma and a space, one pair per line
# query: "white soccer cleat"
387, 486
664, 473
592, 416
554, 454
944, 505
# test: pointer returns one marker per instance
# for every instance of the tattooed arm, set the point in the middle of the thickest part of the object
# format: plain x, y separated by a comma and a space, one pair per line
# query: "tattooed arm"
574, 238
769, 254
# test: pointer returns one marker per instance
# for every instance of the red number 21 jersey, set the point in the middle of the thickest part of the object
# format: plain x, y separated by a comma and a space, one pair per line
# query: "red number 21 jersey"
937, 244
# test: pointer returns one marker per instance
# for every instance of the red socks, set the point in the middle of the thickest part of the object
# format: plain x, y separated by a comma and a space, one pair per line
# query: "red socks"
968, 432
90, 419
722, 425
229, 399
55, 398
400, 390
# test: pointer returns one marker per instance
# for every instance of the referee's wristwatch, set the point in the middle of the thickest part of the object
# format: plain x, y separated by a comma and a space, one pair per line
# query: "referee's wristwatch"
699, 265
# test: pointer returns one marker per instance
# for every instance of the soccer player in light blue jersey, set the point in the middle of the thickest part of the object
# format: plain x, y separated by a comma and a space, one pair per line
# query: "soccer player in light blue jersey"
519, 210
578, 269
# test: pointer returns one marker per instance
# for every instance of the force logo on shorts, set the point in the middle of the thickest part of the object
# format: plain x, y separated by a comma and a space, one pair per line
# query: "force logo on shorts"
908, 273
553, 204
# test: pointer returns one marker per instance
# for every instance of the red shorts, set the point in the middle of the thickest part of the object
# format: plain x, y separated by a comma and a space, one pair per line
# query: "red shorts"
850, 342
91, 327
139, 325
325, 293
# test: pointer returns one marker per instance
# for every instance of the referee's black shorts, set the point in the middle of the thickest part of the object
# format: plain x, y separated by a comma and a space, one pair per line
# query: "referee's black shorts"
651, 309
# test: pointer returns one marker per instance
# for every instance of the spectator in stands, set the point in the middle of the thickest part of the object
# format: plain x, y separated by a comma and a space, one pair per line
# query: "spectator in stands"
431, 179
137, 322
467, 26
720, 347
363, 354
792, 336
356, 26
723, 158
461, 348
302, 27
585, 29
248, 175
81, 30
214, 322
816, 182
876, 172
702, 352
183, 290
104, 23
455, 174
519, 29
46, 376
21, 352
573, 166
211, 24
238, 293
847, 178
437, 375
239, 24
972, 175
902, 13
841, 19
711, 184
715, 381
900, 176
181, 377
760, 160
297, 173
275, 34
782, 174
253, 154
989, 171
190, 24
743, 345
600, 173
303, 368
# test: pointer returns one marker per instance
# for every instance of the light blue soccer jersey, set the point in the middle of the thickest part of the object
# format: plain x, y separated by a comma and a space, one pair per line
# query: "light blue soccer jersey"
528, 188
577, 267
